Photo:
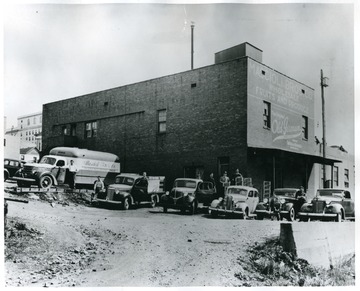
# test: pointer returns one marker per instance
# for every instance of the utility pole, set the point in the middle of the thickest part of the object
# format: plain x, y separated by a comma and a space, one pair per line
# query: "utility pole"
323, 83
192, 45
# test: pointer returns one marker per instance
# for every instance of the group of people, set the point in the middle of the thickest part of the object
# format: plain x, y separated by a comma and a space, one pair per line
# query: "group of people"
225, 181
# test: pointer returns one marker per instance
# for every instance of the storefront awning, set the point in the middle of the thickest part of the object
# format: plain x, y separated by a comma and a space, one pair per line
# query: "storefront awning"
311, 158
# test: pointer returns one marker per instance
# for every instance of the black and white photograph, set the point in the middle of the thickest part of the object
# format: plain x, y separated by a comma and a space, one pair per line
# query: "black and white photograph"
182, 144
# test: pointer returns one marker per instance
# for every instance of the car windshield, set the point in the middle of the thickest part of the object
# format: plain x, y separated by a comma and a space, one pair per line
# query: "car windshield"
48, 160
124, 180
184, 184
237, 191
329, 193
283, 192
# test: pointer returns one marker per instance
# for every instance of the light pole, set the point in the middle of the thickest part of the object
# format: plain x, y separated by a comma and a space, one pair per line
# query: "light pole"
192, 45
323, 83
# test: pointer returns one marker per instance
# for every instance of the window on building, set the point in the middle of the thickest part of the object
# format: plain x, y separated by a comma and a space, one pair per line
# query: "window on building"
40, 119
91, 129
346, 178
73, 129
336, 176
223, 165
305, 129
34, 120
162, 121
28, 121
266, 114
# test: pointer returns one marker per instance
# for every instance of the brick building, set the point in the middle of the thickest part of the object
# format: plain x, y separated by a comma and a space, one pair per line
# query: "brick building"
236, 113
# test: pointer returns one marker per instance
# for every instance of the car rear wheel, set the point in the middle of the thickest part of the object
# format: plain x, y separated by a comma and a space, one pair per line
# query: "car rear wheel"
6, 176
192, 208
291, 215
165, 209
45, 182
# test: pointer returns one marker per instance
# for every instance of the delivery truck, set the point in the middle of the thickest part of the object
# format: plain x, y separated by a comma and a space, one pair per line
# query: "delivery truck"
53, 169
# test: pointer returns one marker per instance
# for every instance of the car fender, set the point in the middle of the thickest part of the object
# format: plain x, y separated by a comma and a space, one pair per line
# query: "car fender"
7, 172
306, 207
261, 206
288, 206
334, 208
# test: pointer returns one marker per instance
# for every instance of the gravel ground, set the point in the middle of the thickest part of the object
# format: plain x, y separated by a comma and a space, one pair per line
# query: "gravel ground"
67, 244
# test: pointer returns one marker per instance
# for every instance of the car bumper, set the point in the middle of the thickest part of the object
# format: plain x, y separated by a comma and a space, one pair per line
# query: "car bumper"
316, 215
224, 211
96, 200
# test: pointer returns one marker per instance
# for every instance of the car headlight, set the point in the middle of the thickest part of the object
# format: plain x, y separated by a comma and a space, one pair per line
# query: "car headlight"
221, 199
328, 202
282, 201
266, 200
186, 194
117, 192
167, 193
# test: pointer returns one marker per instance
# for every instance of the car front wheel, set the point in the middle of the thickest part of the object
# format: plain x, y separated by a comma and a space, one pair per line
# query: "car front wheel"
338, 217
126, 204
291, 215
45, 182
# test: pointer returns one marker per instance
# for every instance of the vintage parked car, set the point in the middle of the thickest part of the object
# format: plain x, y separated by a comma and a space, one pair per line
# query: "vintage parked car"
329, 204
186, 195
131, 189
282, 204
238, 200
11, 166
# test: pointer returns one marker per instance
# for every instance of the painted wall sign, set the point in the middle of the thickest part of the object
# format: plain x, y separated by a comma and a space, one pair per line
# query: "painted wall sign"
291, 111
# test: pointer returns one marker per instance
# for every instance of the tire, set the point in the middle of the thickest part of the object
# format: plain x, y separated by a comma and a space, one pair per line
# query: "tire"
259, 217
153, 201
126, 204
245, 214
192, 208
291, 215
45, 182
338, 217
213, 214
165, 209
6, 176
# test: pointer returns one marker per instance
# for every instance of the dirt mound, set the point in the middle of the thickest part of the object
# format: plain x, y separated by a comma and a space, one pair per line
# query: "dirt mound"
269, 265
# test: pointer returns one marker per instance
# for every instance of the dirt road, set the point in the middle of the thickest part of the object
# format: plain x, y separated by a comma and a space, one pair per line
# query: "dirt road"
77, 245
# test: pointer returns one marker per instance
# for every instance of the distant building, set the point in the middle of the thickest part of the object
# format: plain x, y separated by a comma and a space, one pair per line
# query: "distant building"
30, 154
235, 114
30, 127
12, 144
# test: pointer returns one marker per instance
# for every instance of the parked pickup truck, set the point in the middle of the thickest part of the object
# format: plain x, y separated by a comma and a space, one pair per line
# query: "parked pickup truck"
132, 189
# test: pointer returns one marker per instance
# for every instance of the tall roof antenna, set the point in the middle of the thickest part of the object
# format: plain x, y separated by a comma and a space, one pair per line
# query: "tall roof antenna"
192, 44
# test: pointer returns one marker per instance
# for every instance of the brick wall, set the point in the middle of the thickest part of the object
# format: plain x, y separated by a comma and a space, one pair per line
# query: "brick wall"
206, 119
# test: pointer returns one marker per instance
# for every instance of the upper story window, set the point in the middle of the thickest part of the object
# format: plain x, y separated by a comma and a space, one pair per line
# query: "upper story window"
28, 121
305, 129
336, 176
34, 119
162, 121
91, 129
266, 115
346, 178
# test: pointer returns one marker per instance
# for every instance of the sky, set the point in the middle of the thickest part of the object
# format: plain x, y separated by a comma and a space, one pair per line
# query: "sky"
56, 51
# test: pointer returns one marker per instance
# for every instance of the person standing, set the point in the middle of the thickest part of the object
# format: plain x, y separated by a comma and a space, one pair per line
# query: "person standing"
238, 178
72, 171
225, 182
98, 186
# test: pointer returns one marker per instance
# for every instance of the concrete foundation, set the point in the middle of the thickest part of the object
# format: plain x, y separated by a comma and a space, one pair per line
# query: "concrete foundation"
322, 244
